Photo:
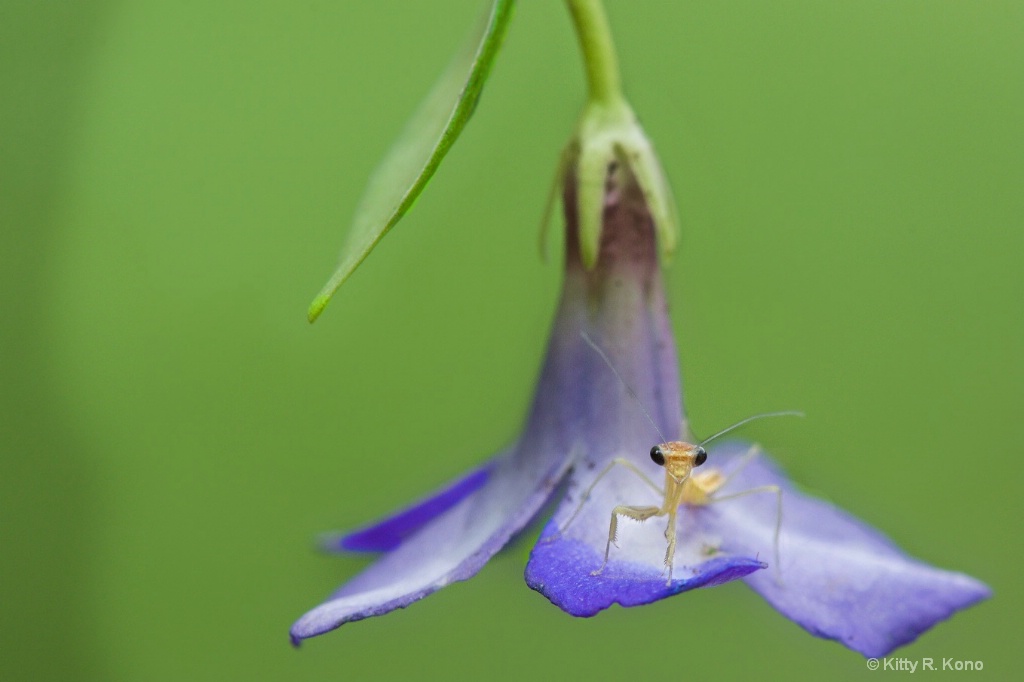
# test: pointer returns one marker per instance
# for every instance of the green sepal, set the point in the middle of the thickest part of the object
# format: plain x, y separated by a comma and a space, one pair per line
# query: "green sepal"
565, 160
591, 179
646, 168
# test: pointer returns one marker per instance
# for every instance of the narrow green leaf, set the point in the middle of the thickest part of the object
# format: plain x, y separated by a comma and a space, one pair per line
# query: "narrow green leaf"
415, 156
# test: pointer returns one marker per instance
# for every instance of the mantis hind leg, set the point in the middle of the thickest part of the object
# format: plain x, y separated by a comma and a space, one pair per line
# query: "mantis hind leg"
778, 518
749, 456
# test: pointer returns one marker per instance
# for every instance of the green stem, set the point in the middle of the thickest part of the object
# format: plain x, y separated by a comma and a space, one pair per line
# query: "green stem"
599, 56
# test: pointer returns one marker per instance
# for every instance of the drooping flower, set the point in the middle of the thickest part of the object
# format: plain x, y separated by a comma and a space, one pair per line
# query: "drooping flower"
837, 577
817, 565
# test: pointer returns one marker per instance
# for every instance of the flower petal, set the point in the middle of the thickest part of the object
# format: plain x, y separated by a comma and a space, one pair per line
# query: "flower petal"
839, 579
451, 547
389, 533
561, 569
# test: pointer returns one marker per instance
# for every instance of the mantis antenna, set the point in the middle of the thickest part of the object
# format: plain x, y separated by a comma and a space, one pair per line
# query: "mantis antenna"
597, 349
784, 413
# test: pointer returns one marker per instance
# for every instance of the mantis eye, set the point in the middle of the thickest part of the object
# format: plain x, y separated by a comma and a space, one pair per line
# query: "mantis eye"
702, 456
657, 456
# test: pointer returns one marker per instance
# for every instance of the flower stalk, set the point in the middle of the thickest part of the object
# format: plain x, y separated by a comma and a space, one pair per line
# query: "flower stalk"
599, 58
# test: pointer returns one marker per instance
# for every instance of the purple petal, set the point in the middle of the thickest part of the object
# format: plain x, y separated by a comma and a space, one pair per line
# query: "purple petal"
389, 533
451, 547
839, 578
562, 563
561, 569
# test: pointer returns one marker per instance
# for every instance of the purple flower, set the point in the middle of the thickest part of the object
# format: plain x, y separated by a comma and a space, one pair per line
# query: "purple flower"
836, 577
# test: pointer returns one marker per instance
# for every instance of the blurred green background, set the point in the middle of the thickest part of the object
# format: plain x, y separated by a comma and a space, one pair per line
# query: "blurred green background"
176, 180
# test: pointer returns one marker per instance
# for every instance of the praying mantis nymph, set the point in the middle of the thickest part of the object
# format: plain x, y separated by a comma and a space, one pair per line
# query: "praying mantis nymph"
682, 485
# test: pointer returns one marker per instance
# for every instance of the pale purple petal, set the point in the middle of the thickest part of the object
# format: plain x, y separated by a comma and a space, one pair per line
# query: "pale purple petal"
389, 533
562, 563
561, 568
451, 547
839, 578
